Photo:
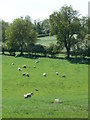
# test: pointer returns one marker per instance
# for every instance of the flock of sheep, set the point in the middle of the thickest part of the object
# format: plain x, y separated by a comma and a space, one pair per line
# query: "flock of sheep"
44, 74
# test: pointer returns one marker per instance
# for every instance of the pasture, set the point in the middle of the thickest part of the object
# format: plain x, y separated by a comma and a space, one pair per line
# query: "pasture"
72, 89
46, 41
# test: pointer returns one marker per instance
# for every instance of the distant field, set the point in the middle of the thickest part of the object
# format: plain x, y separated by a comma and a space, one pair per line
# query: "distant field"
46, 41
72, 90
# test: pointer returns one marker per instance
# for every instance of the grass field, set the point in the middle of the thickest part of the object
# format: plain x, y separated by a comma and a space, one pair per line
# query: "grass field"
46, 41
71, 90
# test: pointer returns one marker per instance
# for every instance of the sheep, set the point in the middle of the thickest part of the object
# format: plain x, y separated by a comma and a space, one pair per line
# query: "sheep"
19, 69
36, 61
12, 63
63, 75
27, 95
57, 73
44, 74
24, 74
24, 66
36, 89
57, 100
27, 74
31, 93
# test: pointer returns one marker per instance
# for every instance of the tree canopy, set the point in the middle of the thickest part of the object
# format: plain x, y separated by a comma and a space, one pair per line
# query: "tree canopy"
65, 24
20, 34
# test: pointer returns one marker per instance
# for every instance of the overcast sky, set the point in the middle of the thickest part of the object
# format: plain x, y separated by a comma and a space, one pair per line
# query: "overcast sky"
38, 9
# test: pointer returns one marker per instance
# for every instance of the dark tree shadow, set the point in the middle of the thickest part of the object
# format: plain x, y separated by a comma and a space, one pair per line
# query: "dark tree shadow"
72, 60
79, 60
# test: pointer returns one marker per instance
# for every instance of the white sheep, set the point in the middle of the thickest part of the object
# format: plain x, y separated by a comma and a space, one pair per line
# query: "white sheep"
19, 69
57, 100
24, 66
12, 63
27, 95
27, 74
63, 75
31, 93
44, 74
36, 89
24, 74
36, 61
57, 73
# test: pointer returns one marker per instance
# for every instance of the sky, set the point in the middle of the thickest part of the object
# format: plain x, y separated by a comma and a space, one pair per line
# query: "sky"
38, 9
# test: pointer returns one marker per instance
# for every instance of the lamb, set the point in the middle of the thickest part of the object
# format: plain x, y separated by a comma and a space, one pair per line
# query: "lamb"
31, 93
36, 61
24, 74
27, 74
57, 100
36, 89
19, 69
24, 66
44, 74
27, 95
57, 73
63, 75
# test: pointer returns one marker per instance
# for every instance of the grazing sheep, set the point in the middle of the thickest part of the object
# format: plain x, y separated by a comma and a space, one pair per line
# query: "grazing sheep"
24, 66
19, 69
27, 74
12, 63
36, 61
24, 74
36, 89
27, 95
63, 75
44, 74
31, 93
57, 100
57, 73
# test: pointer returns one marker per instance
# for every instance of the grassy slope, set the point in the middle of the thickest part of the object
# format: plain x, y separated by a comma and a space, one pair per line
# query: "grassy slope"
72, 90
46, 41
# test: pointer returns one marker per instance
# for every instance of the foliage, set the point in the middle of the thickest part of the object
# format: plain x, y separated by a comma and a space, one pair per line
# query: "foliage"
42, 27
83, 44
65, 24
52, 49
38, 49
20, 34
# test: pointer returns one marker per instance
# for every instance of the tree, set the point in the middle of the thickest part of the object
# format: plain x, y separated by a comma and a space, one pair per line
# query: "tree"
82, 45
38, 26
65, 24
45, 26
5, 25
20, 34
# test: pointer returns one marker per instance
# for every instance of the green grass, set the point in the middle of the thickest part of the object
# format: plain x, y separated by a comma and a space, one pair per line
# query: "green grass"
72, 90
46, 41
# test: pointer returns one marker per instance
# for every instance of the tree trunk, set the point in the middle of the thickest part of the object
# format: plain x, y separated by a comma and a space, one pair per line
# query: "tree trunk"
68, 53
3, 51
21, 49
21, 52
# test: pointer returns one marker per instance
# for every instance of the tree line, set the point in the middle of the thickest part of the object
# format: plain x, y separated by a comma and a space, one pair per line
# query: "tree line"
72, 33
